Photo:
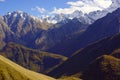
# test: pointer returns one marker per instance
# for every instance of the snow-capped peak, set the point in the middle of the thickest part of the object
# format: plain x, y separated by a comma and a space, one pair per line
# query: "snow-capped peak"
23, 15
9, 13
56, 18
76, 14
115, 4
17, 13
99, 14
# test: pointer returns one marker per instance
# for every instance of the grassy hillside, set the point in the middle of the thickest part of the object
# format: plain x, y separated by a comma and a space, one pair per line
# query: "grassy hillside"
83, 57
104, 68
12, 71
32, 59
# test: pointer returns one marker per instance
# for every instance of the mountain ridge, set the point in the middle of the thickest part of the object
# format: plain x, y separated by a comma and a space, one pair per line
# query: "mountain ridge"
24, 29
105, 67
100, 29
83, 57
35, 60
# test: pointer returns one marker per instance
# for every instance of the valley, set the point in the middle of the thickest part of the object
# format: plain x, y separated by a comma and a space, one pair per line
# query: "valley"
79, 42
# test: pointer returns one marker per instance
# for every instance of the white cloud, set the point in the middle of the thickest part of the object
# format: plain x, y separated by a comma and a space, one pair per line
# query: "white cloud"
39, 9
85, 6
2, 0
63, 10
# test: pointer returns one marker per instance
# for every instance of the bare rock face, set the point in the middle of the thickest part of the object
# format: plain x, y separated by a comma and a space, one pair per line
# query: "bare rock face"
2, 36
4, 32
25, 28
33, 33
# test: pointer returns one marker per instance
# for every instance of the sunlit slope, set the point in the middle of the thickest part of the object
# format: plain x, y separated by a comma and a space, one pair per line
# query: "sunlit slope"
32, 59
106, 67
12, 71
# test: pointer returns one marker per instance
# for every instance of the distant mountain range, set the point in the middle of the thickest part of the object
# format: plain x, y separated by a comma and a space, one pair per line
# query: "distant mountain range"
63, 38
90, 18
37, 33
101, 28
22, 28
75, 46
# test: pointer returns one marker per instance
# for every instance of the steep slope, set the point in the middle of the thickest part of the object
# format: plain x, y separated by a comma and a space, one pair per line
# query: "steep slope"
83, 57
60, 32
2, 35
104, 27
32, 59
25, 27
12, 71
104, 68
4, 32
34, 33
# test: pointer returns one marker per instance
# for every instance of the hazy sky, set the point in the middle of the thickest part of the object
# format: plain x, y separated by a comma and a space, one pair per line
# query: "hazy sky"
46, 7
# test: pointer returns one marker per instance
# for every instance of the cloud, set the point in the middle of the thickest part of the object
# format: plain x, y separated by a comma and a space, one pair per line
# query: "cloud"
85, 6
2, 0
64, 10
39, 9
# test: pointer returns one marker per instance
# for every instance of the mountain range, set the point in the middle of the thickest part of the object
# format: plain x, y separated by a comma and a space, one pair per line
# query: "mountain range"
93, 56
66, 47
101, 28
40, 34
24, 29
90, 17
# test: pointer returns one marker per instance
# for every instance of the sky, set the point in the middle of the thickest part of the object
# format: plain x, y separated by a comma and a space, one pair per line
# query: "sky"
49, 7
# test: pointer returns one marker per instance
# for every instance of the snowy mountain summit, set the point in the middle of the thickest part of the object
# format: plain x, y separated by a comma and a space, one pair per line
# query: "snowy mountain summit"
91, 17
57, 18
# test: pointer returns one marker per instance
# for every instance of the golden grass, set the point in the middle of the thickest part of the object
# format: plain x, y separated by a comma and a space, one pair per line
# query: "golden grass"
11, 71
